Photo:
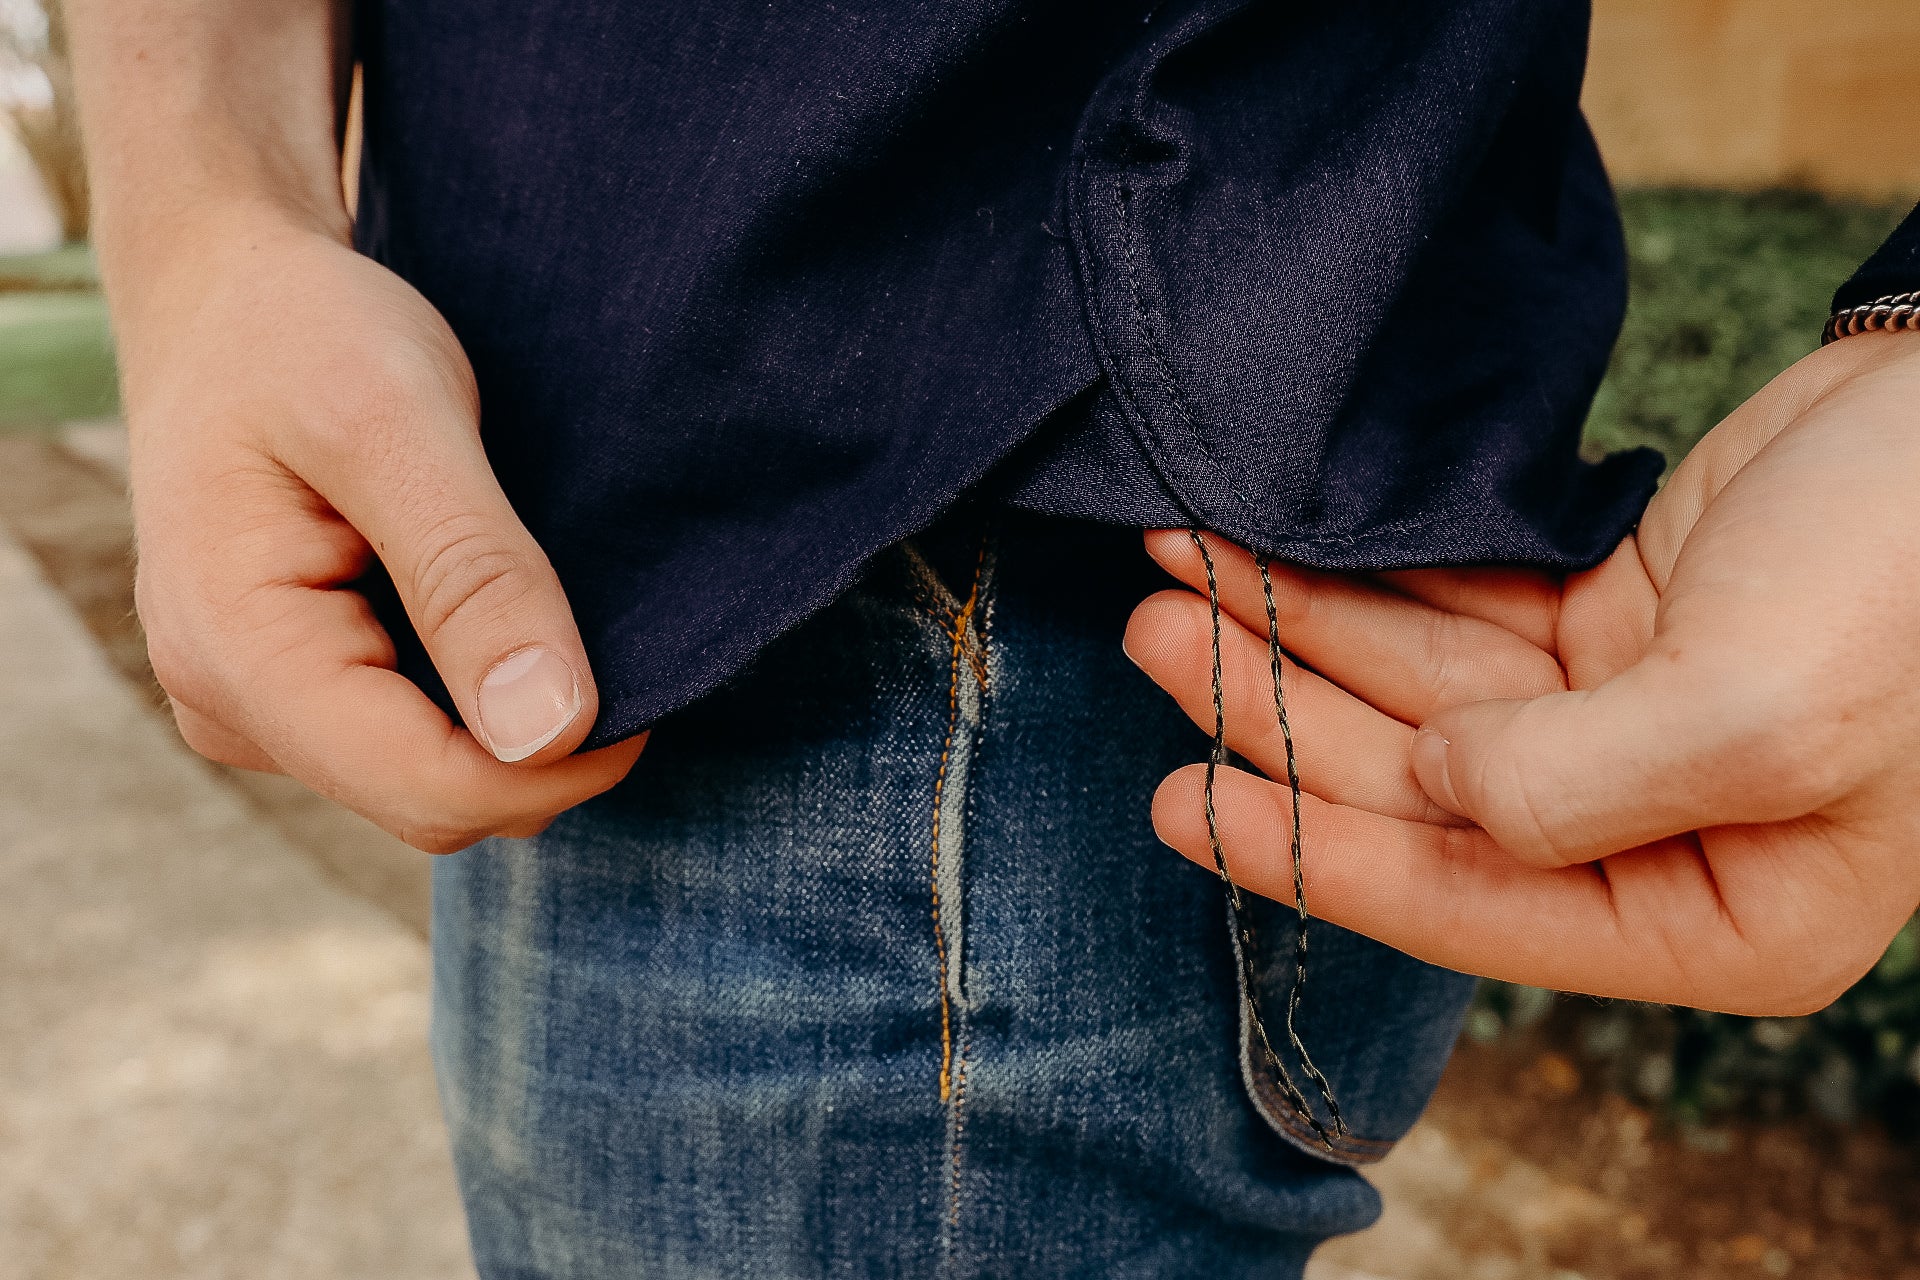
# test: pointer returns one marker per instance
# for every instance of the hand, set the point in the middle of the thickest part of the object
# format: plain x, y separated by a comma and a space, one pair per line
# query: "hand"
1690, 775
295, 408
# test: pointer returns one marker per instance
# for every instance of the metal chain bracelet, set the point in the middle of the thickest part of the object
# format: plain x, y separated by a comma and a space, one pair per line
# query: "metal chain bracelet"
1895, 311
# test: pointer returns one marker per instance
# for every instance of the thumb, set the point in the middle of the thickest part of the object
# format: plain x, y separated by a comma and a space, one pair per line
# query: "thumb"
1575, 776
478, 589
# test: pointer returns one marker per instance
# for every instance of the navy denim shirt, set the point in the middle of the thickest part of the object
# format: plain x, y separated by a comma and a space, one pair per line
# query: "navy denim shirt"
753, 290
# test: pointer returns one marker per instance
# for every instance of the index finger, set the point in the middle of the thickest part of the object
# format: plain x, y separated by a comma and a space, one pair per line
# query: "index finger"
1647, 926
331, 710
1523, 601
1403, 657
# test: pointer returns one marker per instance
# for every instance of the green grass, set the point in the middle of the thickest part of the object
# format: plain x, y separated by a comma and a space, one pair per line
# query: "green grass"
56, 359
1725, 291
68, 267
56, 354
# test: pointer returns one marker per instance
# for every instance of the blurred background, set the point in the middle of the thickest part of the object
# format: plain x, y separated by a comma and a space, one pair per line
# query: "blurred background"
213, 986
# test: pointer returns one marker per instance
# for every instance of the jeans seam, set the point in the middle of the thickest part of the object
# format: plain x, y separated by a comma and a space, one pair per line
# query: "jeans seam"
966, 627
961, 625
935, 596
1285, 1117
983, 636
939, 926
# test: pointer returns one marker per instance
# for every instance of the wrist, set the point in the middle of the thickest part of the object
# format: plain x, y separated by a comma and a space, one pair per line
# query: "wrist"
176, 285
206, 123
164, 254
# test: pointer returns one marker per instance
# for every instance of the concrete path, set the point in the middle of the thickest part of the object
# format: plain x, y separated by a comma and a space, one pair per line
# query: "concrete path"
212, 1060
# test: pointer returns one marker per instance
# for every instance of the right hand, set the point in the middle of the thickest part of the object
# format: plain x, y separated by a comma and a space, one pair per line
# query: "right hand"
297, 410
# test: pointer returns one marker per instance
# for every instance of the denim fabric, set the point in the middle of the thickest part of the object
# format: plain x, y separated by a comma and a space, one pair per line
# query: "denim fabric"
874, 967
754, 290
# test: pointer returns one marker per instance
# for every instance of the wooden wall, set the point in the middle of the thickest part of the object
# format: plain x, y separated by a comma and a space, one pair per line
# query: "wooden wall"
1751, 93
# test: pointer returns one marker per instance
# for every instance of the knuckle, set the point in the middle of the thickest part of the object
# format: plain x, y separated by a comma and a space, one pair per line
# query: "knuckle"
439, 803
387, 387
180, 675
1299, 596
375, 397
468, 572
361, 408
1798, 972
199, 650
1517, 817
195, 736
446, 826
1460, 665
1440, 658
214, 741
1781, 991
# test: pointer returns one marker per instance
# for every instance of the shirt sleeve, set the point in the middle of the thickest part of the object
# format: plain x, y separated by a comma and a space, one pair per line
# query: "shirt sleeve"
1894, 268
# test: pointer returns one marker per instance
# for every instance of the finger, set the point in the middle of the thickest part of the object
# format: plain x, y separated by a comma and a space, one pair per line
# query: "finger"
218, 743
1653, 931
412, 477
327, 705
1575, 776
1403, 657
1607, 617
473, 795
1346, 751
1524, 601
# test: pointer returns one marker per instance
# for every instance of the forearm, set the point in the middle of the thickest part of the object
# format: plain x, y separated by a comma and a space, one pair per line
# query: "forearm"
200, 117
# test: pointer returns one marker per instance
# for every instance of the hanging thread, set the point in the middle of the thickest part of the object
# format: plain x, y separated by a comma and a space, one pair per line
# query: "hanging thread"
1242, 931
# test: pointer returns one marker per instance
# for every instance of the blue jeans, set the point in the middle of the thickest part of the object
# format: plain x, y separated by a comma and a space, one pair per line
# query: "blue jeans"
874, 967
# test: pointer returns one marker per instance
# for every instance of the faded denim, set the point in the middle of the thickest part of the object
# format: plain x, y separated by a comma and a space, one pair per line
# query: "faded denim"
874, 967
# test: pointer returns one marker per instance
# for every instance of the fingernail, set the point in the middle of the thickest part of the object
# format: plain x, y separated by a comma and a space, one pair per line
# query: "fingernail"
1126, 647
1430, 766
526, 700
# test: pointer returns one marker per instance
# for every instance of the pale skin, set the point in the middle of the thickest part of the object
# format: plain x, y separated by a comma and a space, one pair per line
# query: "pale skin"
1688, 775
296, 409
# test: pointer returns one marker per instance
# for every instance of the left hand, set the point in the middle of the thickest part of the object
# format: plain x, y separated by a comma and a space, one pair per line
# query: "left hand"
1690, 775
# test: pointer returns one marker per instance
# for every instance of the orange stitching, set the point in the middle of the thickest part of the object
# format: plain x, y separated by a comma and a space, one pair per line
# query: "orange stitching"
959, 1130
974, 625
958, 625
961, 631
976, 659
961, 624
963, 621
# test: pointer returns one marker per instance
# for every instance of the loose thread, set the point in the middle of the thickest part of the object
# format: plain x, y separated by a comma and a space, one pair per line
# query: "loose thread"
1242, 932
1299, 986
